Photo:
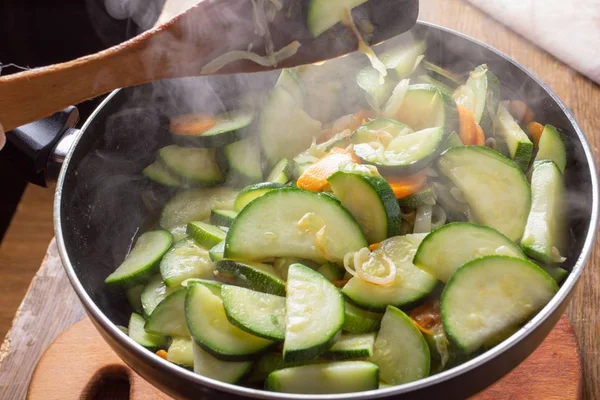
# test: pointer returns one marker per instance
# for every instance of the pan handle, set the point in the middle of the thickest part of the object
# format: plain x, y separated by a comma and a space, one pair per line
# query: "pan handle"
37, 149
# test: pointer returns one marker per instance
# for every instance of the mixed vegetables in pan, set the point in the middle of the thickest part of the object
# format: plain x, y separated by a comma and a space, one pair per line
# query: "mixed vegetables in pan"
390, 244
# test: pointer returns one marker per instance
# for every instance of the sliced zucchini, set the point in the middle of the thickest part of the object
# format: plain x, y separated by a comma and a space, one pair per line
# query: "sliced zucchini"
509, 291
439, 255
400, 349
251, 192
158, 173
211, 330
154, 292
432, 81
142, 261
291, 222
181, 352
411, 283
196, 166
519, 146
335, 377
377, 92
404, 58
425, 106
352, 346
227, 129
222, 217
404, 155
453, 140
204, 234
243, 158
213, 286
260, 314
371, 201
331, 272
179, 232
285, 129
314, 314
225, 371
395, 101
216, 253
414, 201
140, 336
542, 239
552, 147
185, 260
494, 187
134, 298
290, 80
324, 14
253, 275
357, 320
443, 75
382, 130
168, 318
282, 172
195, 205
485, 89
557, 273
282, 265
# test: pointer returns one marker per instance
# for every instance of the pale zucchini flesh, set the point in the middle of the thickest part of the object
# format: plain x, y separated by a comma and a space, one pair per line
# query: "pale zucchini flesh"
180, 352
153, 293
207, 365
357, 320
205, 235
520, 148
194, 165
168, 318
140, 336
253, 275
552, 147
195, 205
183, 261
324, 14
350, 346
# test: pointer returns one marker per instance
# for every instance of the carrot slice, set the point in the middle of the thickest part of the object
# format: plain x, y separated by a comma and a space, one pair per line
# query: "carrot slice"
520, 111
535, 130
407, 186
192, 124
315, 176
427, 317
374, 246
479, 135
355, 121
162, 354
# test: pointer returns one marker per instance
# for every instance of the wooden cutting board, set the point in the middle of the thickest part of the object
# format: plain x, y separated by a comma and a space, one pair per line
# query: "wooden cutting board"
79, 362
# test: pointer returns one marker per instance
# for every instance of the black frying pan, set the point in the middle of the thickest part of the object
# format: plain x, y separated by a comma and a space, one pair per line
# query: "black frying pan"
102, 201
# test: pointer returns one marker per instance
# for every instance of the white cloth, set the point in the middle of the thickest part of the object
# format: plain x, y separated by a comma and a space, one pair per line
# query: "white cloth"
567, 29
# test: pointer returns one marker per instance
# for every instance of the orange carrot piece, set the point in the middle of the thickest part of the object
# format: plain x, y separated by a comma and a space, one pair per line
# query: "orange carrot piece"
467, 131
162, 354
427, 317
356, 120
374, 246
535, 130
315, 176
192, 124
520, 111
407, 186
479, 135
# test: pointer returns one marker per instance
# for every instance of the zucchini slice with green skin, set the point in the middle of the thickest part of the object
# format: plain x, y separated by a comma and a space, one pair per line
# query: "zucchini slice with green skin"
154, 292
485, 92
134, 298
213, 286
557, 273
216, 253
411, 283
447, 90
282, 172
335, 377
142, 261
493, 186
222, 217
140, 336
400, 349
204, 234
196, 166
443, 75
509, 291
352, 346
311, 328
195, 205
158, 173
185, 260
371, 201
325, 14
542, 239
225, 371
331, 272
414, 201
229, 128
378, 129
251, 192
439, 255
520, 148
291, 222
260, 314
552, 147
211, 329
357, 320
243, 158
425, 106
168, 318
280, 113
181, 352
404, 58
282, 265
290, 80
405, 155
179, 232
253, 275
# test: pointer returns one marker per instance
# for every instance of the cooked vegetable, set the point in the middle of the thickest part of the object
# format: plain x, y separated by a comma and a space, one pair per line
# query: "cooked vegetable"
352, 346
185, 260
470, 131
253, 275
243, 158
195, 205
194, 130
153, 293
168, 317
481, 97
222, 217
204, 234
196, 166
519, 146
357, 320
425, 106
180, 352
404, 59
251, 192
552, 147
281, 172
324, 14
207, 365
159, 173
140, 336
314, 178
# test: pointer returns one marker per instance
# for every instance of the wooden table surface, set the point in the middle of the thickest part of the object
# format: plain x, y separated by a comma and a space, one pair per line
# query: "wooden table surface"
50, 305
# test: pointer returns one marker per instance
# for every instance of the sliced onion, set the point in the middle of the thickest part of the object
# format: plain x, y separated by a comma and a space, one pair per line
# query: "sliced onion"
423, 219
363, 258
438, 217
458, 195
349, 263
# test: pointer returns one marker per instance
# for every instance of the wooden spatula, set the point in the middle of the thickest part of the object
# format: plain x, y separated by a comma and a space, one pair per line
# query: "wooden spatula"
184, 45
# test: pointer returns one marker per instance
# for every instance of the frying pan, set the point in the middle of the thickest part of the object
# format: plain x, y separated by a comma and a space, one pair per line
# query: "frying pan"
102, 201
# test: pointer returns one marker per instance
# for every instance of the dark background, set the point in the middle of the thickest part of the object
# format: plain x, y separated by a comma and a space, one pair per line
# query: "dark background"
36, 33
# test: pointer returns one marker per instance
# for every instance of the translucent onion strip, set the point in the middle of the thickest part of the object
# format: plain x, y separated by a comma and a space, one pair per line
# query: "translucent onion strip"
438, 217
423, 219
